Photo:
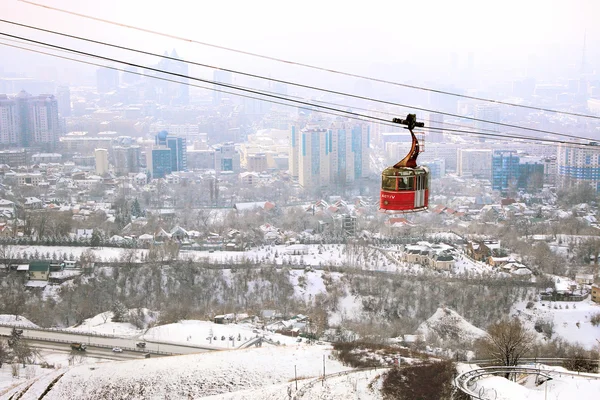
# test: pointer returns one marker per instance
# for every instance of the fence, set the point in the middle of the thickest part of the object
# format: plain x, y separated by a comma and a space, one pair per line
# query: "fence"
95, 334
302, 391
105, 346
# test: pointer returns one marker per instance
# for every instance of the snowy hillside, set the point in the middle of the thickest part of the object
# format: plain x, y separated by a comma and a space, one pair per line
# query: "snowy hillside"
16, 321
449, 325
571, 319
193, 376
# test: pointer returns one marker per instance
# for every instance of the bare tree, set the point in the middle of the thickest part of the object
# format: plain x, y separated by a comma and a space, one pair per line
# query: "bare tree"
507, 342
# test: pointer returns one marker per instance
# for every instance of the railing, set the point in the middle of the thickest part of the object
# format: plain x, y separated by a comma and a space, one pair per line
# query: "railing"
547, 361
302, 391
105, 346
465, 382
59, 330
102, 335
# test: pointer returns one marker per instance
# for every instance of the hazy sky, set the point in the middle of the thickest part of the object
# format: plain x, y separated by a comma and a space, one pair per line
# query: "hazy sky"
516, 36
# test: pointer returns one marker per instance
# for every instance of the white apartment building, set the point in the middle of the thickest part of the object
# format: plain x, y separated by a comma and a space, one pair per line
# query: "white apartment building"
101, 156
577, 165
476, 163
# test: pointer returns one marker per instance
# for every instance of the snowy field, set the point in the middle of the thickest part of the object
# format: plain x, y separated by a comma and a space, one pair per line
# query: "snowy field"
192, 332
204, 333
195, 376
58, 359
317, 256
571, 319
102, 323
71, 252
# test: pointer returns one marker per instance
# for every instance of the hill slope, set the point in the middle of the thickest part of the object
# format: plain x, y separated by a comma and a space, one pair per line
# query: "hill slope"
193, 376
449, 325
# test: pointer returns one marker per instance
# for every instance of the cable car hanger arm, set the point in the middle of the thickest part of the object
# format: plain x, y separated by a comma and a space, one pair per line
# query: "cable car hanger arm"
410, 161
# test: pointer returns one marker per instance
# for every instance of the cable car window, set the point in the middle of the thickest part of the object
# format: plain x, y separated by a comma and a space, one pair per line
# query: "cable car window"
408, 183
388, 183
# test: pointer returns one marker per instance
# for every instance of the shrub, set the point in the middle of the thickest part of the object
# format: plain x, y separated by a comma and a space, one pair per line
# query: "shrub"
529, 305
595, 319
426, 381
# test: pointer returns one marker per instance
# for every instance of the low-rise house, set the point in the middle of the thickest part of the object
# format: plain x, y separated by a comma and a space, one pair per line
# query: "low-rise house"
596, 294
145, 239
84, 234
223, 319
39, 270
296, 249
584, 279
180, 234
444, 262
499, 261
32, 203
478, 251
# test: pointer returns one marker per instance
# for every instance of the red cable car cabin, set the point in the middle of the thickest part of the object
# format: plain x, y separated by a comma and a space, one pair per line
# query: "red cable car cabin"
404, 189
405, 186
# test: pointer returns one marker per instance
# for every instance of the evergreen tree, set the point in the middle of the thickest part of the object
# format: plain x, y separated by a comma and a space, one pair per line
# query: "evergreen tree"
119, 312
96, 238
136, 210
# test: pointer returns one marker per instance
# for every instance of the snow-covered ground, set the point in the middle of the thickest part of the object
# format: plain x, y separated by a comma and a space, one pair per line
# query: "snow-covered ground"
204, 333
13, 320
195, 376
102, 323
561, 387
71, 252
447, 324
571, 319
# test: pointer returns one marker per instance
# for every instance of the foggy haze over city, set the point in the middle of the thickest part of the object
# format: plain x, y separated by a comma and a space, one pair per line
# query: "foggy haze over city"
376, 200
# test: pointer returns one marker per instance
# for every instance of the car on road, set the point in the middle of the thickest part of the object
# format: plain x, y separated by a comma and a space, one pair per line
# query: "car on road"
141, 344
117, 350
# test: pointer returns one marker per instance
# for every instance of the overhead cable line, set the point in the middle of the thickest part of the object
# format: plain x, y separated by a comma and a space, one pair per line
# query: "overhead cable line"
349, 74
445, 123
282, 81
330, 111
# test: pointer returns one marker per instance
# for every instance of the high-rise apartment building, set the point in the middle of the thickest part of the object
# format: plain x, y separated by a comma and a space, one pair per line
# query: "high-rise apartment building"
435, 135
126, 159
172, 93
63, 96
505, 169
314, 159
339, 155
227, 158
178, 147
158, 162
510, 171
476, 163
294, 152
27, 120
221, 77
101, 156
107, 80
9, 122
576, 165
487, 112
349, 152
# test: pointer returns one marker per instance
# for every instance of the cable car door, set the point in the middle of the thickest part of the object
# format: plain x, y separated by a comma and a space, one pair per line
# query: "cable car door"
420, 191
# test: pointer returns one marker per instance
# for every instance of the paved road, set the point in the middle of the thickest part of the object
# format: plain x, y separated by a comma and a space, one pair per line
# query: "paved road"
95, 352
108, 342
